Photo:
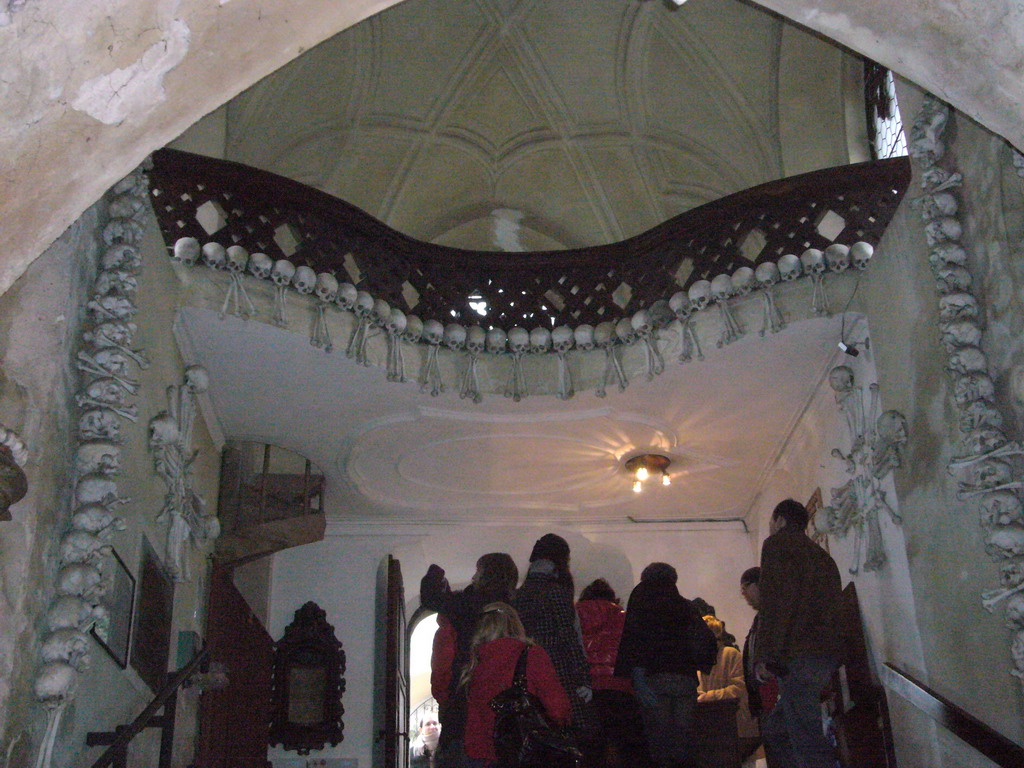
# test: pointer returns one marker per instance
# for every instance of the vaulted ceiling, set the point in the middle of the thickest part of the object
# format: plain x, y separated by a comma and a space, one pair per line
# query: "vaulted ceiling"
544, 124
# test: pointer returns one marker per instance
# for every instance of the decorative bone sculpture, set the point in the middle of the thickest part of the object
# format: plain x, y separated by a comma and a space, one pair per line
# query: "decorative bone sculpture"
876, 449
604, 337
171, 444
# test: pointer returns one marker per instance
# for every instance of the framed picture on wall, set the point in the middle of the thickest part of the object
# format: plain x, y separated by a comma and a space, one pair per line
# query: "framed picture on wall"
814, 506
115, 637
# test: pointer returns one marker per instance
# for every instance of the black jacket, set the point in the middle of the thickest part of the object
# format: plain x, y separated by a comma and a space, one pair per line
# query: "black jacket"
664, 633
753, 687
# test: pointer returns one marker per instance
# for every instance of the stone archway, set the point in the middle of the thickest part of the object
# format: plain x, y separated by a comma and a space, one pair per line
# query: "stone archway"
132, 76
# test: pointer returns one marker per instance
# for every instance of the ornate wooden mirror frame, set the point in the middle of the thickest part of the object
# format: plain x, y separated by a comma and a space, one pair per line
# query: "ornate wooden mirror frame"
308, 667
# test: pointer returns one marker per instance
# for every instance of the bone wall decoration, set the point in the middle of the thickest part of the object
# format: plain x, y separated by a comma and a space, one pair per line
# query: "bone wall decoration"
874, 449
986, 467
105, 363
170, 441
402, 291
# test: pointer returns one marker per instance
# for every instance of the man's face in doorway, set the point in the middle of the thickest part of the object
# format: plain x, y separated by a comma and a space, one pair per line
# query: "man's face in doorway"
752, 594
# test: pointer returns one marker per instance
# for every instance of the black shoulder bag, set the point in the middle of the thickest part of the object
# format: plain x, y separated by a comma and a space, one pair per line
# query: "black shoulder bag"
523, 737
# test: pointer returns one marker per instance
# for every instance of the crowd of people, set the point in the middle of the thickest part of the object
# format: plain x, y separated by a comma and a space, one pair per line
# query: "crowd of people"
625, 683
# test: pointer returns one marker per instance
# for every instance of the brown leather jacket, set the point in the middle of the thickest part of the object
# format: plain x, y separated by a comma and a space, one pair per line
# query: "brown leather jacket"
801, 596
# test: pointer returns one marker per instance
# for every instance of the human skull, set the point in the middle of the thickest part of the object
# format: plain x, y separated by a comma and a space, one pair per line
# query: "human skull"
99, 424
115, 280
96, 519
215, 256
837, 256
973, 386
433, 332
1001, 508
55, 683
841, 378
979, 414
96, 489
326, 287
112, 306
111, 360
82, 547
364, 304
699, 294
767, 274
238, 259
476, 339
721, 288
113, 333
347, 295
80, 580
413, 329
584, 337
892, 427
1015, 604
66, 646
196, 379
454, 336
992, 473
981, 441
98, 456
260, 266
125, 256
540, 340
1006, 541
604, 334
968, 360
789, 267
953, 279
381, 313
641, 322
744, 280
860, 254
518, 340
283, 272
304, 280
562, 339
496, 340
105, 390
125, 206
960, 333
958, 306
624, 331
942, 230
947, 254
397, 322
813, 261
680, 305
186, 250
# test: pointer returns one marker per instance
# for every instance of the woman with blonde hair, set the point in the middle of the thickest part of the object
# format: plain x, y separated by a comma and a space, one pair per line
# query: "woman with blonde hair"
725, 681
497, 644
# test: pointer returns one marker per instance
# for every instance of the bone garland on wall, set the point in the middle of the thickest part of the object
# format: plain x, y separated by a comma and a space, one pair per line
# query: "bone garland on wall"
875, 449
170, 441
642, 326
985, 477
106, 387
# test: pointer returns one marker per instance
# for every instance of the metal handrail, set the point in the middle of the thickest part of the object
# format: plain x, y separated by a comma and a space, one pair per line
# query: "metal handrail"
969, 729
123, 735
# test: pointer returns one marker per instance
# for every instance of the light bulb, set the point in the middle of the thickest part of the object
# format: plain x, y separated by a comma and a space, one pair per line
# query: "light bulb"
642, 474
637, 487
665, 479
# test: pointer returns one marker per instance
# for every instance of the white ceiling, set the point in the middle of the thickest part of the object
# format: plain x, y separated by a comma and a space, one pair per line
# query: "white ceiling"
389, 450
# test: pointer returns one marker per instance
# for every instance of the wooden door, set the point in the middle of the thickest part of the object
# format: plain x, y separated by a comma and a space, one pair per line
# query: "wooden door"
234, 722
396, 680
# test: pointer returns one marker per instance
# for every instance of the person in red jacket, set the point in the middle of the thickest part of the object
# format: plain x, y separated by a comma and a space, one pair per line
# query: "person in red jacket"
619, 739
497, 643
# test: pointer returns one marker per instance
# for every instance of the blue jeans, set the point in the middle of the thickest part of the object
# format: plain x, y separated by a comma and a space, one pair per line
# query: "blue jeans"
792, 731
668, 725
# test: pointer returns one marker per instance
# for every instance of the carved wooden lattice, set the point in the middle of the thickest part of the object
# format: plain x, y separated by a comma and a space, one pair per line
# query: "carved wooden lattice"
229, 203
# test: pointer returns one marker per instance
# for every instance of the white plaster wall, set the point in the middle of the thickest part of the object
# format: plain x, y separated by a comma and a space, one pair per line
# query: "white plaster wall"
340, 574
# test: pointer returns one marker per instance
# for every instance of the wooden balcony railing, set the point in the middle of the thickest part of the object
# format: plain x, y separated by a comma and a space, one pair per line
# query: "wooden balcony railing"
229, 203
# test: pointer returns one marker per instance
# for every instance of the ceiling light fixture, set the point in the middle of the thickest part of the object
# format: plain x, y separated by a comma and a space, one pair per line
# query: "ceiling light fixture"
648, 465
